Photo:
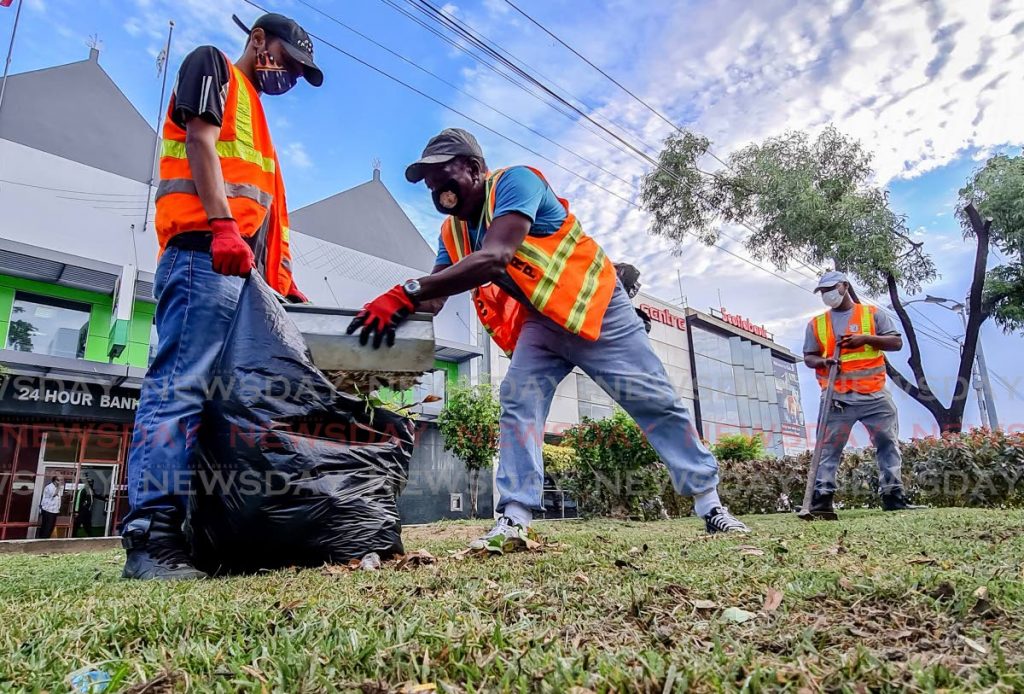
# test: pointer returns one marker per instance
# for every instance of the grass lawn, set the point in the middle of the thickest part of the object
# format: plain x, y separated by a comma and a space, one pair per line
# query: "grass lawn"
924, 601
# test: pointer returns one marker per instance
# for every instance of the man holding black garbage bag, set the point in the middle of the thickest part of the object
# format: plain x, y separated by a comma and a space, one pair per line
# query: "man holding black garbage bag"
220, 213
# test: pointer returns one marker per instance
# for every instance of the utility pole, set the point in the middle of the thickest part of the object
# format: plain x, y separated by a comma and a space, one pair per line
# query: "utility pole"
980, 380
156, 124
10, 49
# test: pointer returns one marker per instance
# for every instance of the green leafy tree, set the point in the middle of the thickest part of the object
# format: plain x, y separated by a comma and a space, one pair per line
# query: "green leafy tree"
469, 426
813, 202
997, 193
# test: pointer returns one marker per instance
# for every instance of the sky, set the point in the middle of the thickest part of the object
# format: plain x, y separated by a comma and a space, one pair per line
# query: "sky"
930, 88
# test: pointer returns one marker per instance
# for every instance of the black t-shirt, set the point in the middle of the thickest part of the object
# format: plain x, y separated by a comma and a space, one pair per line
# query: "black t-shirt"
201, 89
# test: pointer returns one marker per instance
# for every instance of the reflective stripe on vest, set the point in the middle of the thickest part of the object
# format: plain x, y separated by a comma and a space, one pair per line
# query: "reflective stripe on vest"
539, 268
861, 370
231, 190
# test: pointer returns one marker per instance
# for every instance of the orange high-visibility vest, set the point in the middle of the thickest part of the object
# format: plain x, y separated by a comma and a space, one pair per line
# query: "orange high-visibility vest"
252, 182
861, 370
566, 276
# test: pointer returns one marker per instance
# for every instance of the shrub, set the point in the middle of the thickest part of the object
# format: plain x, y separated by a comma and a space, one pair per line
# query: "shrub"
616, 472
469, 426
977, 468
738, 447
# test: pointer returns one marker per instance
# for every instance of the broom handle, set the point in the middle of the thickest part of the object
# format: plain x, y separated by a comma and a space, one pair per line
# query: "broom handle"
826, 408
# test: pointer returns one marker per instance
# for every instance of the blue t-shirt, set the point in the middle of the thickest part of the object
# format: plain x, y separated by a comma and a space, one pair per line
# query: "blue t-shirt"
519, 190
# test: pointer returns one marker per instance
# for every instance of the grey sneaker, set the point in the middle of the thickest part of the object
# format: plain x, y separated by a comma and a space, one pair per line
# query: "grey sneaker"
721, 521
503, 534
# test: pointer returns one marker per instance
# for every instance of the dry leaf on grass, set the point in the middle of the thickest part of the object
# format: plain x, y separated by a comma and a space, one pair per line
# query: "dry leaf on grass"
418, 688
845, 583
975, 646
582, 578
419, 557
981, 593
772, 600
922, 560
854, 631
705, 604
736, 615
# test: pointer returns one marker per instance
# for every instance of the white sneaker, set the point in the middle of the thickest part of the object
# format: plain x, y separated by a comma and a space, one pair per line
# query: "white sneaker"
721, 521
505, 531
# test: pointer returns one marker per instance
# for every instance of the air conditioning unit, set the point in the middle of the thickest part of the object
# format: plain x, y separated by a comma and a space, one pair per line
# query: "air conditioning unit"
455, 505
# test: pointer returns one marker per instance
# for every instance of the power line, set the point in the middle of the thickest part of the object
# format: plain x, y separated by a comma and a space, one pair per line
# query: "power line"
74, 192
515, 142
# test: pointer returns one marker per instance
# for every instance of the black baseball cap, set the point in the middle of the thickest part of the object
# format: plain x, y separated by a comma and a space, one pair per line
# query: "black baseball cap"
295, 39
443, 147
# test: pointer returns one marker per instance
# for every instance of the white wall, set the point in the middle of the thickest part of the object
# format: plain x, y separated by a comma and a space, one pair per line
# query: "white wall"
93, 221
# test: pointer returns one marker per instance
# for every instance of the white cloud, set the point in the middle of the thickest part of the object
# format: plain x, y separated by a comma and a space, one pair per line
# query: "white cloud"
296, 155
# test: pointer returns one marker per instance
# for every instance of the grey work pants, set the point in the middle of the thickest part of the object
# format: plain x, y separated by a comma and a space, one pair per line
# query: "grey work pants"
879, 418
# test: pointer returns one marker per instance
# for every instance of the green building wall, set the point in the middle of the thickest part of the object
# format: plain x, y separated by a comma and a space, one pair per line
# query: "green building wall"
98, 339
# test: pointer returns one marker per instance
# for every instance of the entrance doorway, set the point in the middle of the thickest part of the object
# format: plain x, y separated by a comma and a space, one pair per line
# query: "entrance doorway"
87, 463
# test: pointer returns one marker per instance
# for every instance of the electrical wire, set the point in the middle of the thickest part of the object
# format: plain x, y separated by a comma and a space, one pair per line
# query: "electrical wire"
75, 192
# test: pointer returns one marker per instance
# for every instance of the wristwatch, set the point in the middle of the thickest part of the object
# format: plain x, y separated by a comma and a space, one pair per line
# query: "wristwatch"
412, 288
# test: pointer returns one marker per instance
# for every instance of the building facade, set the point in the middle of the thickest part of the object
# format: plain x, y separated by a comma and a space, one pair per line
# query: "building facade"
75, 339
729, 372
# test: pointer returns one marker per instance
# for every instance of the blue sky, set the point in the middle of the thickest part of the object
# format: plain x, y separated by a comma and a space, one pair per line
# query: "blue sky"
930, 88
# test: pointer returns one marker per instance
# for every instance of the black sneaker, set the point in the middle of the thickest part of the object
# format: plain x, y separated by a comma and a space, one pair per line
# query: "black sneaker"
721, 521
157, 550
895, 501
821, 508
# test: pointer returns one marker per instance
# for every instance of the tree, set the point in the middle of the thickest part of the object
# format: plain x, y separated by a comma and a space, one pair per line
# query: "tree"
469, 426
813, 202
997, 193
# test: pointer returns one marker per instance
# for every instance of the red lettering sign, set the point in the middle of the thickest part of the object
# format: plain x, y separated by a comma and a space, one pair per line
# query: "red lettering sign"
744, 324
663, 315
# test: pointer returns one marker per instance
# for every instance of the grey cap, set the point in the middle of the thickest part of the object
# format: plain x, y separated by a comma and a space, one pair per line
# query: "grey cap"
443, 147
831, 279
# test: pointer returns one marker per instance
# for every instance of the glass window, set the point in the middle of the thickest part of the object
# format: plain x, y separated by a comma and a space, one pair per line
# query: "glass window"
755, 414
62, 446
102, 447
44, 325
154, 342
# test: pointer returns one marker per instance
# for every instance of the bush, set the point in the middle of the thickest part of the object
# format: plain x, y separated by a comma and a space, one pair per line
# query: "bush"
738, 447
616, 472
469, 426
978, 468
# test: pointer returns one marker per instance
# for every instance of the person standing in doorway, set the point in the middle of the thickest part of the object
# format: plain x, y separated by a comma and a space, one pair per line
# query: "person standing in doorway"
49, 508
220, 214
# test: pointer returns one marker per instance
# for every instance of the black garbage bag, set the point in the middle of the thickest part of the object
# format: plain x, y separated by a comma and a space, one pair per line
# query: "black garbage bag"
290, 471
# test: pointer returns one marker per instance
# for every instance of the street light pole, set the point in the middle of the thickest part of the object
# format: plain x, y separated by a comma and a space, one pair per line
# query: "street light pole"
977, 380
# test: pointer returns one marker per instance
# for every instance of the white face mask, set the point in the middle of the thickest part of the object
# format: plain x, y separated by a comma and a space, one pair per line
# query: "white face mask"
832, 298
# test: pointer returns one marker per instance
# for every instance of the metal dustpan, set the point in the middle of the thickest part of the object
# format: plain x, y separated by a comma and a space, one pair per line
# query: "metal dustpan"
352, 366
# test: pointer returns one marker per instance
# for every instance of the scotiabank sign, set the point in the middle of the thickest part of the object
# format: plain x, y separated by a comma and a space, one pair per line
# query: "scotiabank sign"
744, 324
663, 315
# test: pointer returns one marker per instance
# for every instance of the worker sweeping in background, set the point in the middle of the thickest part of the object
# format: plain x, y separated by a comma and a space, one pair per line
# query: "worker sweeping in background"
220, 213
859, 394
548, 296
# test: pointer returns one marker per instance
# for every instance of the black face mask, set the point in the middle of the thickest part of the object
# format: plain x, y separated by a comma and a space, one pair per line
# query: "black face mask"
448, 197
271, 78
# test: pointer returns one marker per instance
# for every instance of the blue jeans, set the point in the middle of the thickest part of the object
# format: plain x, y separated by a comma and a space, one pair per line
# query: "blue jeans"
880, 419
195, 306
624, 364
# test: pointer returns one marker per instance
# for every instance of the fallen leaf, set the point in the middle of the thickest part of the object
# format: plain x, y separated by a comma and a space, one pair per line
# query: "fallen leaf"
533, 545
736, 615
981, 593
979, 647
845, 583
420, 557
860, 632
163, 683
705, 604
338, 569
418, 688
898, 635
922, 560
943, 591
772, 600
623, 564
635, 551
753, 552
582, 578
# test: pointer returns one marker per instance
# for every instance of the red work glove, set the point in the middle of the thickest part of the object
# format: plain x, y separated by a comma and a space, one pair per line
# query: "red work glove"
231, 255
381, 316
295, 296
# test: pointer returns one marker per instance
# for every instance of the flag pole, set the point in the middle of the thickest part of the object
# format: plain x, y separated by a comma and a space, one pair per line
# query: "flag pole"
10, 50
156, 126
